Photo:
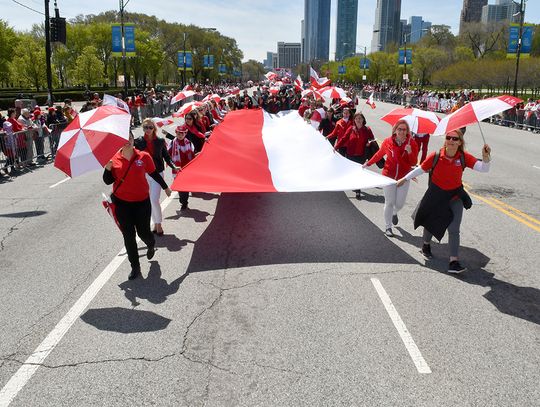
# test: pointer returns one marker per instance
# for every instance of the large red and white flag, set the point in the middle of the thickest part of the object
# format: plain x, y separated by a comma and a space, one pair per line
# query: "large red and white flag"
253, 151
298, 84
317, 82
181, 96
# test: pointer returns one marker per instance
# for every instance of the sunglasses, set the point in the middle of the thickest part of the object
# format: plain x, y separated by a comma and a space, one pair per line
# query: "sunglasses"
148, 127
452, 138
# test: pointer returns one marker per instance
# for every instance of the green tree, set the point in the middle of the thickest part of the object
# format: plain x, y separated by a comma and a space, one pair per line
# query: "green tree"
88, 68
535, 46
8, 41
426, 61
252, 70
28, 65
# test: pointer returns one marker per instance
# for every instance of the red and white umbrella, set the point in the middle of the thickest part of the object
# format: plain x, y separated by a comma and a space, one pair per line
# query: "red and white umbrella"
312, 92
214, 96
474, 112
420, 121
274, 90
159, 122
181, 96
91, 139
332, 92
188, 107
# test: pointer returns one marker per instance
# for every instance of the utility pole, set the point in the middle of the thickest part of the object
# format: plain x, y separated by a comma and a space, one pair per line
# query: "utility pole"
184, 71
122, 6
48, 54
518, 53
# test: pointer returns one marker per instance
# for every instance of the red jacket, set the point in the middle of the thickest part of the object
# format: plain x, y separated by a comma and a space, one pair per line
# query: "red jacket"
341, 128
398, 161
355, 140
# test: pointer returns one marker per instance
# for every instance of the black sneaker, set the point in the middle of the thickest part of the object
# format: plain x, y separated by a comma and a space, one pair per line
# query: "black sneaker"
389, 232
395, 220
455, 268
150, 252
426, 251
358, 196
184, 207
135, 272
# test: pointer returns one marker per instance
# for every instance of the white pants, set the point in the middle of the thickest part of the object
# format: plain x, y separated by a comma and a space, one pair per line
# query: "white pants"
155, 193
394, 199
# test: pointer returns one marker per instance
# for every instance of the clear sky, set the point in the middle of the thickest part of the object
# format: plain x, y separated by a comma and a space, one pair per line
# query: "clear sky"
256, 25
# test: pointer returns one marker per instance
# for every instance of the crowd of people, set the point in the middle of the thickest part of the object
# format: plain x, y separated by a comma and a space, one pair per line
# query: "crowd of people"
137, 170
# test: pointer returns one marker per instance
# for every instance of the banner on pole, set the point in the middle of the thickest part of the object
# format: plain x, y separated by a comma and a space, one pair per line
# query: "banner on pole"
364, 63
401, 56
208, 61
222, 69
116, 40
185, 59
341, 70
129, 39
526, 40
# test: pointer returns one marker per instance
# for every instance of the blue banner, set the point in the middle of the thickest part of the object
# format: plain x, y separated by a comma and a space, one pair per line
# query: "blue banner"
208, 61
116, 40
129, 38
401, 57
364, 63
222, 69
526, 39
341, 70
237, 72
185, 59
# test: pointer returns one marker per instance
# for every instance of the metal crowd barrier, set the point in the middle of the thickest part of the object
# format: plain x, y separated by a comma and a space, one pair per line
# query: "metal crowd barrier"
23, 149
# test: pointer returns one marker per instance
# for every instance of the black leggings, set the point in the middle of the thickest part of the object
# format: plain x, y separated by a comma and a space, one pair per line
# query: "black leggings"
134, 218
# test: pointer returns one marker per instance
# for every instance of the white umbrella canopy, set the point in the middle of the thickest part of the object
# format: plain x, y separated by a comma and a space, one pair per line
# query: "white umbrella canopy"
91, 139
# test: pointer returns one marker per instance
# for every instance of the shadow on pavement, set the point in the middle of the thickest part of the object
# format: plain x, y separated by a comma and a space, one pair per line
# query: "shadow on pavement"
123, 320
510, 299
153, 288
28, 214
196, 214
251, 229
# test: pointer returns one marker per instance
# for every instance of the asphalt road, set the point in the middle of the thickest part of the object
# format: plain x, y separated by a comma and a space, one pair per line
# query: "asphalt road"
274, 299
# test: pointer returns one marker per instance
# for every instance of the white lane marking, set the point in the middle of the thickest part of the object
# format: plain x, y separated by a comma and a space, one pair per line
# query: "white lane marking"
538, 168
60, 182
406, 337
31, 365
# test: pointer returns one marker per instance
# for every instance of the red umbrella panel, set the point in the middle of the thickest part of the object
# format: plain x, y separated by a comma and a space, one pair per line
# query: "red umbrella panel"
332, 92
91, 139
475, 112
187, 108
181, 96
420, 121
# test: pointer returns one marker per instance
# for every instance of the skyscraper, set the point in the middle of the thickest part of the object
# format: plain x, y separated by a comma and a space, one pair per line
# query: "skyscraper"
471, 12
317, 29
387, 28
288, 54
500, 11
347, 17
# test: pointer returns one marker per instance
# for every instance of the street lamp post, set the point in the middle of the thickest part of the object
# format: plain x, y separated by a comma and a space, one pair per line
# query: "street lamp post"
184, 58
405, 51
122, 6
48, 54
518, 52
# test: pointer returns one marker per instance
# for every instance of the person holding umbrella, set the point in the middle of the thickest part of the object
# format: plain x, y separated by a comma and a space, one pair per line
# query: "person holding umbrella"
441, 208
127, 170
157, 148
401, 153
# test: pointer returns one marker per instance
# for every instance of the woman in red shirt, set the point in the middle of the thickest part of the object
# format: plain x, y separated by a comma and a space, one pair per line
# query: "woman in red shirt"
401, 153
131, 195
341, 128
441, 208
355, 140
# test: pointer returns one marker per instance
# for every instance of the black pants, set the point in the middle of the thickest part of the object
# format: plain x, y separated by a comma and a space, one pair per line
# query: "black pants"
134, 218
183, 197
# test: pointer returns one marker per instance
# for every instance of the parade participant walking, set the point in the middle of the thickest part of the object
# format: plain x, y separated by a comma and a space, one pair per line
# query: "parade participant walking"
441, 208
195, 133
157, 148
422, 140
356, 138
401, 153
181, 152
127, 170
341, 128
328, 124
